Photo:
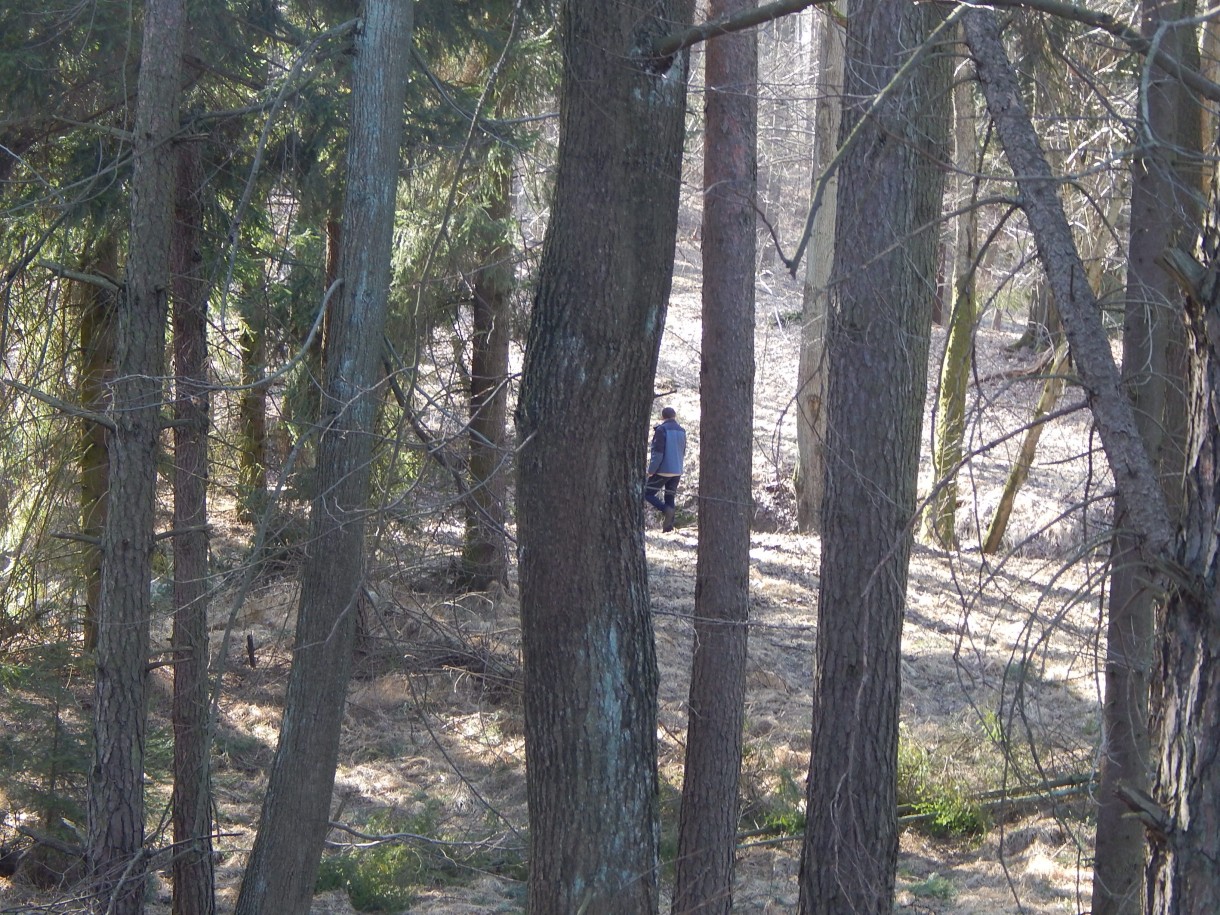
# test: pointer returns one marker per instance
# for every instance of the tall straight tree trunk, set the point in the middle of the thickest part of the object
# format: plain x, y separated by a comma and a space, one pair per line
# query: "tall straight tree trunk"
811, 373
283, 864
940, 523
96, 372
582, 416
116, 785
878, 327
707, 831
485, 550
1165, 182
252, 416
192, 801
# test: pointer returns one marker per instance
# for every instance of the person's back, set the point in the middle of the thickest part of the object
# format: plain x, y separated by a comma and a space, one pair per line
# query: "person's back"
665, 465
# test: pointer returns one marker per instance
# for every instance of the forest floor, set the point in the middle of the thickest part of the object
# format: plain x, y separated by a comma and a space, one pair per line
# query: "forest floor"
1001, 679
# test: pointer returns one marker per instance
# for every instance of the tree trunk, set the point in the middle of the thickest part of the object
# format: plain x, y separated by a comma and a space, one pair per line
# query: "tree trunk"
116, 795
485, 550
192, 801
811, 373
707, 833
582, 416
940, 523
283, 864
96, 373
252, 416
1154, 356
1052, 389
877, 340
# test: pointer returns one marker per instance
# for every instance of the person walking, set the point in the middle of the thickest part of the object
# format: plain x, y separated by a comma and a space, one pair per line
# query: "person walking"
665, 465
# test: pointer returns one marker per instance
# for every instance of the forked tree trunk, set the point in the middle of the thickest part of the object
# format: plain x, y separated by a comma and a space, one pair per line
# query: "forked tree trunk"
296, 810
582, 419
191, 813
116, 791
877, 339
707, 829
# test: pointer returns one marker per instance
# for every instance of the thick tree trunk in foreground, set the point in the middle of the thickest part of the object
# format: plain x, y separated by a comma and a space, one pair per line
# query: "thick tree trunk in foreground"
877, 340
284, 861
707, 832
116, 783
192, 802
1165, 183
590, 663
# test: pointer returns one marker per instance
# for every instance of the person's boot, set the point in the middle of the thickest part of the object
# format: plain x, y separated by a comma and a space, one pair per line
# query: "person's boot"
669, 519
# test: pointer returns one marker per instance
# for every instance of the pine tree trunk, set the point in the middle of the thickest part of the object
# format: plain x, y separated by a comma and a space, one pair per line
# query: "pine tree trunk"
116, 795
96, 372
582, 419
877, 340
707, 831
485, 549
1154, 355
283, 864
811, 373
192, 800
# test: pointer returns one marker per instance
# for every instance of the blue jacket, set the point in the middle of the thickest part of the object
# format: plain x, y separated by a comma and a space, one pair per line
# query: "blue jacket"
668, 449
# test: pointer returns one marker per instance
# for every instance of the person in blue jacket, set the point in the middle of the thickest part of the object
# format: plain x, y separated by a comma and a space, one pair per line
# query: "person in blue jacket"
665, 465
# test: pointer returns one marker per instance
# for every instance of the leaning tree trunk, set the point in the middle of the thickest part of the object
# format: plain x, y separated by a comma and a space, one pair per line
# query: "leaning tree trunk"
194, 893
811, 373
296, 810
116, 789
707, 829
582, 419
1164, 185
877, 340
1182, 815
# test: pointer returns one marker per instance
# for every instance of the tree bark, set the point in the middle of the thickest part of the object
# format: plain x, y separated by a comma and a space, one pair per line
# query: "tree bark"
96, 373
485, 550
1164, 182
940, 523
877, 339
591, 354
192, 800
707, 831
283, 864
116, 795
811, 373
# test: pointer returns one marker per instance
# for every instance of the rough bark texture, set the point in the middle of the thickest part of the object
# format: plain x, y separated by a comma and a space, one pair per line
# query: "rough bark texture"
582, 418
192, 800
485, 550
116, 784
1164, 184
96, 372
283, 863
811, 373
707, 831
877, 340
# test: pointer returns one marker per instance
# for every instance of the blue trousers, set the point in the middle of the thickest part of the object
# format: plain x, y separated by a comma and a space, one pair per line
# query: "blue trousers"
653, 487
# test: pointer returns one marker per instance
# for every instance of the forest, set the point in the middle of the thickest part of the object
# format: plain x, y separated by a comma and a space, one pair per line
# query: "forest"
334, 335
